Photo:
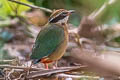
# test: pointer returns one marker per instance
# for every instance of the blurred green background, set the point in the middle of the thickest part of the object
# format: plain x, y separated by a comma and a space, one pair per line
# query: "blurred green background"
82, 7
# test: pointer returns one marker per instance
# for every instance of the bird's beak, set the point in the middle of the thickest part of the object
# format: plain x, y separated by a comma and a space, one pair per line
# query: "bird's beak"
71, 11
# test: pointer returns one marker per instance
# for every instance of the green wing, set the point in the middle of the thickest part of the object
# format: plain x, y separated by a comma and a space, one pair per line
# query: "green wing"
47, 41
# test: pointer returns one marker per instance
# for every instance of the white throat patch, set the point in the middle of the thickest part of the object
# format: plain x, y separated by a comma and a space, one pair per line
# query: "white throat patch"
63, 20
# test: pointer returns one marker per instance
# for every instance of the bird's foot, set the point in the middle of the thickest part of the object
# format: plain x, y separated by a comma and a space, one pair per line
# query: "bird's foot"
55, 66
46, 66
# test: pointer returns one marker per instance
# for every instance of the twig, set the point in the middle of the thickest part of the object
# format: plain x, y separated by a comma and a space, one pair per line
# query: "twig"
77, 76
19, 67
31, 6
4, 61
8, 76
52, 71
20, 76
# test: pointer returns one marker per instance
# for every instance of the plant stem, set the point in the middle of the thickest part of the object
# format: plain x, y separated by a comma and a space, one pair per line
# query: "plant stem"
20, 67
31, 6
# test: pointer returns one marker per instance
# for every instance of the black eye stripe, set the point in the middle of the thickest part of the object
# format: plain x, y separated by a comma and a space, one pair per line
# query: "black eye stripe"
61, 16
57, 18
64, 13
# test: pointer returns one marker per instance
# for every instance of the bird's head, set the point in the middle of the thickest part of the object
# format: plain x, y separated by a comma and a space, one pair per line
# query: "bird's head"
60, 16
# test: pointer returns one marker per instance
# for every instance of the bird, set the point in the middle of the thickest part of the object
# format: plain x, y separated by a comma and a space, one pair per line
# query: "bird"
51, 42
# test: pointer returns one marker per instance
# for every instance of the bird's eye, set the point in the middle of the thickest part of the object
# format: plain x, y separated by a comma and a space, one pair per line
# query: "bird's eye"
64, 13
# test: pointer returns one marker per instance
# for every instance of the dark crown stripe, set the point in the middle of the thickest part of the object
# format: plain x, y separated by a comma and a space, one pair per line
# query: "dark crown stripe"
57, 18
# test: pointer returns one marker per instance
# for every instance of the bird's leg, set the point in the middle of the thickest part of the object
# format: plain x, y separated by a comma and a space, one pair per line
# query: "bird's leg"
56, 62
46, 65
55, 65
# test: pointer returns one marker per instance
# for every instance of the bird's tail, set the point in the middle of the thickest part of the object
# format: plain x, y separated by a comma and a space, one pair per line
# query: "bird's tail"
36, 61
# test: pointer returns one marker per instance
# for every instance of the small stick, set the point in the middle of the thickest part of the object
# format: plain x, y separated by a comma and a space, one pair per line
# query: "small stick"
31, 6
19, 67
52, 71
8, 76
6, 61
76, 76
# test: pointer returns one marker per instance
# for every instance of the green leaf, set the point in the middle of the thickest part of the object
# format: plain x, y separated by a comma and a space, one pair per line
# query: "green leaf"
4, 8
9, 8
